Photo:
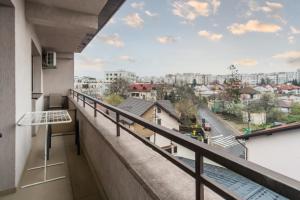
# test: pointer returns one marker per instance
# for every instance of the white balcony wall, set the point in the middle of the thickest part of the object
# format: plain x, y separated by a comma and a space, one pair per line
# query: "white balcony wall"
24, 35
7, 98
61, 79
16, 39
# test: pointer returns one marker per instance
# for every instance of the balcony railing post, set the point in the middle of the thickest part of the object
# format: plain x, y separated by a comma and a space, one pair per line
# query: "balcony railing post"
95, 109
118, 126
199, 171
83, 101
77, 97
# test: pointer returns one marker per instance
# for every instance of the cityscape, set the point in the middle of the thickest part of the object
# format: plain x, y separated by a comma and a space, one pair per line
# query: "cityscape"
149, 99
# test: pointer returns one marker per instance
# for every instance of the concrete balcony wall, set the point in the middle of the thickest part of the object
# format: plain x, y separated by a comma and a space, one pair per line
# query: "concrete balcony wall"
24, 38
127, 169
61, 79
17, 38
7, 98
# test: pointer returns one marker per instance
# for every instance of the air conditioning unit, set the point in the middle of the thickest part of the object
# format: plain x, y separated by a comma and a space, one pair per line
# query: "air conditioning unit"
49, 59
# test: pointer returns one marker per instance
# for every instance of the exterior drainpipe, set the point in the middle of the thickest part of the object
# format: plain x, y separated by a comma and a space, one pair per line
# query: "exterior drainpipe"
246, 149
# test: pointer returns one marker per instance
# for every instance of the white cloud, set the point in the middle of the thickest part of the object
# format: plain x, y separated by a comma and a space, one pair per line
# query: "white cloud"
210, 36
134, 20
294, 30
112, 21
267, 7
138, 5
190, 9
291, 39
84, 63
114, 40
274, 5
215, 5
127, 58
291, 57
166, 39
253, 26
271, 9
150, 14
246, 62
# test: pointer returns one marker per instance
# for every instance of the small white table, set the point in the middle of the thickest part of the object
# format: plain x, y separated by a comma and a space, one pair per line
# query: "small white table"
45, 118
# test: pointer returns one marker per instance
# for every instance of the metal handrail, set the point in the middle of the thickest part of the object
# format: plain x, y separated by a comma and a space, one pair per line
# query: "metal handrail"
274, 181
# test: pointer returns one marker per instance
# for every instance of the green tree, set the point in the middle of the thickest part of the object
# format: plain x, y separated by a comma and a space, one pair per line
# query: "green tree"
114, 99
234, 109
194, 84
275, 115
232, 85
268, 102
187, 110
295, 109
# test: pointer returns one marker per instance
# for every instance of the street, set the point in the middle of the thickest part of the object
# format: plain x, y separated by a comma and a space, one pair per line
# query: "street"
222, 133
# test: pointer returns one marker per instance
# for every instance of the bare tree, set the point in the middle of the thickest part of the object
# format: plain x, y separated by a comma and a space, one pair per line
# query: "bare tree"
119, 87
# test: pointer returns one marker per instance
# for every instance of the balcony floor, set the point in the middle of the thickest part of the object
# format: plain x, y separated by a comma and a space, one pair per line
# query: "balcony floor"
79, 183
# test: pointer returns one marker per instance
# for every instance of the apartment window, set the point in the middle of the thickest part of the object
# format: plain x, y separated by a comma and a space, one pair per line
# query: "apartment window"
158, 110
159, 121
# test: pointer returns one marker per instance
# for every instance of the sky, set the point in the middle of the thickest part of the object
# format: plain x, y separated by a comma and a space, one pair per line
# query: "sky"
158, 37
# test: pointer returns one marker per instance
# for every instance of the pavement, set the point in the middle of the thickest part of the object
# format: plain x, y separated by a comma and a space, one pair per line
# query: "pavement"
222, 133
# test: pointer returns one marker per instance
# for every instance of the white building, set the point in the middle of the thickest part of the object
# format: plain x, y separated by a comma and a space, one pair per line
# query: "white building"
111, 76
276, 149
91, 86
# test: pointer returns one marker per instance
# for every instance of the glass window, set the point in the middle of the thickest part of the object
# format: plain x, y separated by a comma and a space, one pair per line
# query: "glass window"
158, 110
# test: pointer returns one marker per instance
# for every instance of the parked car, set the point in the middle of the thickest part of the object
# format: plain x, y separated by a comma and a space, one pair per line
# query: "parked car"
207, 126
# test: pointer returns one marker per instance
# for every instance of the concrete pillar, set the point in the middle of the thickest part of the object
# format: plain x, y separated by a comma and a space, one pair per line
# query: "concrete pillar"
7, 99
37, 74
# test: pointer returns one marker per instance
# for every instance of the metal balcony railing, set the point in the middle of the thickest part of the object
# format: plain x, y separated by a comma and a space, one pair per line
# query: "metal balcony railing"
276, 182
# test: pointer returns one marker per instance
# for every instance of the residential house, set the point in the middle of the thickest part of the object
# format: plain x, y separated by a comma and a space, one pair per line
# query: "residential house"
248, 93
160, 112
264, 89
288, 89
255, 118
146, 91
285, 105
275, 147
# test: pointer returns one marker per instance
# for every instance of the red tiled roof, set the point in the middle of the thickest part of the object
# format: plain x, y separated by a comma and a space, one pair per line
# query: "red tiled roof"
142, 87
288, 87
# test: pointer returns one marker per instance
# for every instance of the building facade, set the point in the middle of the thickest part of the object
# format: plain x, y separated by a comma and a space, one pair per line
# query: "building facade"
111, 76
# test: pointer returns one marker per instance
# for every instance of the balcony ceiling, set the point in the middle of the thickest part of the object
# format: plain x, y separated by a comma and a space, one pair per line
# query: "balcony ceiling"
69, 25
84, 6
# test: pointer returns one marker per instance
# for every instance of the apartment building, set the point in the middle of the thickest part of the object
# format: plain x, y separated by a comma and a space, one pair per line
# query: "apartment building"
111, 76
91, 86
115, 163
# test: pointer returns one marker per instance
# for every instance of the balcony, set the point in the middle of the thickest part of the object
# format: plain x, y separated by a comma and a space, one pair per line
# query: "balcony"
115, 162
126, 161
79, 183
